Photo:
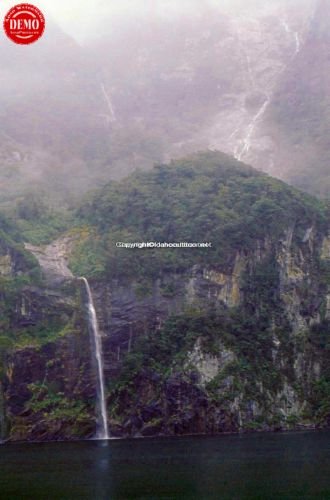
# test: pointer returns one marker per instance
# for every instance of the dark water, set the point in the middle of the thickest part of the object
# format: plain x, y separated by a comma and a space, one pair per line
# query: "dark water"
262, 466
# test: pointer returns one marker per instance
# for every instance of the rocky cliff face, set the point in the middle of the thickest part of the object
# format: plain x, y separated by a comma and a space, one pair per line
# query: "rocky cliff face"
232, 338
297, 118
239, 83
209, 388
206, 380
46, 379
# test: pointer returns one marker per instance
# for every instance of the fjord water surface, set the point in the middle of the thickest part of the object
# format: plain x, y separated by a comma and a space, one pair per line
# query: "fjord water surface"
258, 466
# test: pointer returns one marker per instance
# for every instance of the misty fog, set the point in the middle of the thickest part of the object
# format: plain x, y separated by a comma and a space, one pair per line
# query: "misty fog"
117, 86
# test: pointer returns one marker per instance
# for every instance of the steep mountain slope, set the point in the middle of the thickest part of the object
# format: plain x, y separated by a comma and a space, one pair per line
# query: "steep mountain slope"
250, 82
123, 101
51, 117
42, 335
225, 338
299, 113
221, 88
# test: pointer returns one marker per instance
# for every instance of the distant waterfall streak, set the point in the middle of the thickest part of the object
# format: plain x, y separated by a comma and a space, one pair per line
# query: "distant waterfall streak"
250, 131
102, 421
297, 39
112, 114
295, 34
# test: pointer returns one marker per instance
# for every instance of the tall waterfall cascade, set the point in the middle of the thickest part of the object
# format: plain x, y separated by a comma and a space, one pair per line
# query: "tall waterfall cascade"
102, 421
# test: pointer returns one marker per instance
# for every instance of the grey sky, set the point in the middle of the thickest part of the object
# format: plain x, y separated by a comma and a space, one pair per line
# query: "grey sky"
79, 18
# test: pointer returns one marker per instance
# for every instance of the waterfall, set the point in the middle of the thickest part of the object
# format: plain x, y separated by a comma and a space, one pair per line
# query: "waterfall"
245, 147
102, 431
295, 35
297, 40
112, 115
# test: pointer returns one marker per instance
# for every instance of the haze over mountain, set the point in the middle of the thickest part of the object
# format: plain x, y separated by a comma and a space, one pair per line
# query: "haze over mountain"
230, 334
298, 117
129, 87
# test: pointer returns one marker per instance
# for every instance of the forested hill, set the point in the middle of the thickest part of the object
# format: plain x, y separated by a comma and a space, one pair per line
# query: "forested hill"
207, 197
232, 337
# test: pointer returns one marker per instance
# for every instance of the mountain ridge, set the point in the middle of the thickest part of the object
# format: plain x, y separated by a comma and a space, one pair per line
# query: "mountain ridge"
227, 339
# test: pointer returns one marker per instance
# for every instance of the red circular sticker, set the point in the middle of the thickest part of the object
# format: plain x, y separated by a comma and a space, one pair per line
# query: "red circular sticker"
24, 23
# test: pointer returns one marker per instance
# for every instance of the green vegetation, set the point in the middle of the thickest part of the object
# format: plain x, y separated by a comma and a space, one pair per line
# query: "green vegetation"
56, 410
37, 222
208, 197
248, 217
320, 340
33, 219
248, 336
25, 317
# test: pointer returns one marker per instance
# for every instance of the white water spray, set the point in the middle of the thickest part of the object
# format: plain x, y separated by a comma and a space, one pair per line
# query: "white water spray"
102, 431
240, 152
112, 115
297, 40
295, 35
